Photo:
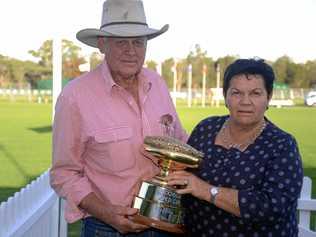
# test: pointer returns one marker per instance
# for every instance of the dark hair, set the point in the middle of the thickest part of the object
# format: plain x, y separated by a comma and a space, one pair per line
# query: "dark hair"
250, 66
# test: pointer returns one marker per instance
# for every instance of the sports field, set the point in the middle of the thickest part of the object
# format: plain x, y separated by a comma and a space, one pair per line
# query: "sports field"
25, 138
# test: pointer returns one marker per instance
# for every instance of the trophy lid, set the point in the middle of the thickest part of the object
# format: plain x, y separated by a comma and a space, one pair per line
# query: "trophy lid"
173, 149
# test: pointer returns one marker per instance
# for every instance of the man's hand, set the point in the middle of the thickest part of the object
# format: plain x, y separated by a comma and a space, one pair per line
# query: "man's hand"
119, 218
116, 216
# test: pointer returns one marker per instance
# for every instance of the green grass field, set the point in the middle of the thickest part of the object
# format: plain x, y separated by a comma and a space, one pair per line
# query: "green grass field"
25, 140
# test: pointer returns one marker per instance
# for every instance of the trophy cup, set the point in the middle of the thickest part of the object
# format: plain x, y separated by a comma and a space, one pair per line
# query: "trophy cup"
160, 205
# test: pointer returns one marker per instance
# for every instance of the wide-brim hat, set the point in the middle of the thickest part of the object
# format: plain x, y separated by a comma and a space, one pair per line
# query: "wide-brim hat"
120, 18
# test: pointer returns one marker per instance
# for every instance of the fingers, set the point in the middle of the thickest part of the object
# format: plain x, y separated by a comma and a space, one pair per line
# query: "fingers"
180, 173
182, 182
135, 227
185, 191
125, 224
125, 211
180, 177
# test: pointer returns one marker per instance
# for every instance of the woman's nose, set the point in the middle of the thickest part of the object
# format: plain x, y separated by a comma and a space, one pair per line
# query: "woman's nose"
245, 99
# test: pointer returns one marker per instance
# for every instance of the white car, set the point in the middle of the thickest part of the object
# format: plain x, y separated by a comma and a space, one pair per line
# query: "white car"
310, 98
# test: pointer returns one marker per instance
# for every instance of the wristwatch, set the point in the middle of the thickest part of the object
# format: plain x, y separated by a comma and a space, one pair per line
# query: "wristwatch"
213, 191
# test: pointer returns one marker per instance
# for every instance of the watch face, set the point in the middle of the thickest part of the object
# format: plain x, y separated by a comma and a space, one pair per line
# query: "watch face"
214, 191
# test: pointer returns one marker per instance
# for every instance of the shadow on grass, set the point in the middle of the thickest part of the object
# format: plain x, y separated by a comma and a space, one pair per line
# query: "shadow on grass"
45, 129
8, 155
6, 192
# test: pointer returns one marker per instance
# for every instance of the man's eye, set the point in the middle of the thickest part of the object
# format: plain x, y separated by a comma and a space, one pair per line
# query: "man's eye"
120, 42
139, 43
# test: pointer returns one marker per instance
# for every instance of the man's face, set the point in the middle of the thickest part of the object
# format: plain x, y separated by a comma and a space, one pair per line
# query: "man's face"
124, 56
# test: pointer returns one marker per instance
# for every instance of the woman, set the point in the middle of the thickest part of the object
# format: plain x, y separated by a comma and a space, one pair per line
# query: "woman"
251, 176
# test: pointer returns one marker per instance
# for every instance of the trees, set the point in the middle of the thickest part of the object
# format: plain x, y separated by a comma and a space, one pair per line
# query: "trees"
95, 60
198, 59
70, 55
310, 67
71, 59
17, 73
295, 74
20, 74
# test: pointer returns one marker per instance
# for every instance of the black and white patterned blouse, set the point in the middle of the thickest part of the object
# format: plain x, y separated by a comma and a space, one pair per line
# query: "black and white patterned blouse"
268, 175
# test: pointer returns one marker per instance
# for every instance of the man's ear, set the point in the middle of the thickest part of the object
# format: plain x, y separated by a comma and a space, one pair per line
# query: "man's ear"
101, 44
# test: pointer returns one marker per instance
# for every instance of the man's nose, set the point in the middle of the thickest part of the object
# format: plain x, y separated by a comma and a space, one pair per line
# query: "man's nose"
130, 48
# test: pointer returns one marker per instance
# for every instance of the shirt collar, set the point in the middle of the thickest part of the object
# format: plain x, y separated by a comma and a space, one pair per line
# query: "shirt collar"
107, 77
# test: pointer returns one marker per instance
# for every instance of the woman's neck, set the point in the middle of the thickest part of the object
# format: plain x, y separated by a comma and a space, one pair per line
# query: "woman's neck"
234, 135
239, 129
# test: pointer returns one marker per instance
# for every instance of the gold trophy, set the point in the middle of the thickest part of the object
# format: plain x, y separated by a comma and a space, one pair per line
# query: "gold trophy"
160, 205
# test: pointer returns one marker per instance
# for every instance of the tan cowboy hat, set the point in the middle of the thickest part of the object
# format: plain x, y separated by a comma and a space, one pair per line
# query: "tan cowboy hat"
120, 18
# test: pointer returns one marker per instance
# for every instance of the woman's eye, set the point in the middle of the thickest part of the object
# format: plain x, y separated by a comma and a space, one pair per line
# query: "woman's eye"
256, 93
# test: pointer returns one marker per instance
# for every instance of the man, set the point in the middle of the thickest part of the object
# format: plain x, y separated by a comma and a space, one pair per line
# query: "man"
101, 120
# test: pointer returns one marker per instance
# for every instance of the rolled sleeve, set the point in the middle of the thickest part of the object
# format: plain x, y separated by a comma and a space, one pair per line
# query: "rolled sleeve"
67, 177
280, 188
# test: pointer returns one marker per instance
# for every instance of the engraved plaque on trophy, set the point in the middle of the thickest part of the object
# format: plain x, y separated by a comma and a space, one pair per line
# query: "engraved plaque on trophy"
160, 205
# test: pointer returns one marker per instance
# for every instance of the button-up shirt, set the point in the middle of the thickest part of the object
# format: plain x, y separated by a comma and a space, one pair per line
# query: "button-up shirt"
98, 133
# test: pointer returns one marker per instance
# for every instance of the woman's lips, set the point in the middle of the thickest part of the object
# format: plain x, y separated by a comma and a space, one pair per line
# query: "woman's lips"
244, 112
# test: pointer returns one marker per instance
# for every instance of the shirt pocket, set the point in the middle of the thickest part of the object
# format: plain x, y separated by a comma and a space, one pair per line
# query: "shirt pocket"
112, 149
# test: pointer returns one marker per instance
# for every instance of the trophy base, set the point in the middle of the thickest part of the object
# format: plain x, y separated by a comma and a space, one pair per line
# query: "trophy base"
161, 225
159, 207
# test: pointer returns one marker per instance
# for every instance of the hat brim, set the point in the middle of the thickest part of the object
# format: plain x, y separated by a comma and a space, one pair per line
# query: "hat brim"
90, 36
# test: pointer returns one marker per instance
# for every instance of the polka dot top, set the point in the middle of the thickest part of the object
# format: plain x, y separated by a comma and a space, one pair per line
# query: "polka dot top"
268, 176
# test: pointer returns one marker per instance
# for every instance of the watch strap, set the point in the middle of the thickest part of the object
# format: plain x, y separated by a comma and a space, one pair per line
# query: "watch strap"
213, 191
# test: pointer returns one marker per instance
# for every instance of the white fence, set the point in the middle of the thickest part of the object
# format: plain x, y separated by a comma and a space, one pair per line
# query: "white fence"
305, 206
39, 96
35, 211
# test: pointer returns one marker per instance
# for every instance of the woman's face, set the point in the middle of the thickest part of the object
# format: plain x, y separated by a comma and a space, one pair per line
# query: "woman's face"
247, 99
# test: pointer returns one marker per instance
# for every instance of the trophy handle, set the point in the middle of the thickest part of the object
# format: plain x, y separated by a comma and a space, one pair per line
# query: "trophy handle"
149, 156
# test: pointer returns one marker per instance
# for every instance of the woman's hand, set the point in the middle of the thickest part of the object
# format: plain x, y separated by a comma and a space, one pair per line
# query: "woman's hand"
190, 184
227, 198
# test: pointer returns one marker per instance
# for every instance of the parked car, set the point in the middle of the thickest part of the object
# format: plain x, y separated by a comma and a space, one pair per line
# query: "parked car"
310, 98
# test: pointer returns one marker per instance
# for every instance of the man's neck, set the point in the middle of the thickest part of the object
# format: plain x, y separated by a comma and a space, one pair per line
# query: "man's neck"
128, 83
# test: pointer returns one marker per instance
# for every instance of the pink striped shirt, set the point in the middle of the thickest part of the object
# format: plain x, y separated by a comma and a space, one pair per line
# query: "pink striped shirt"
97, 135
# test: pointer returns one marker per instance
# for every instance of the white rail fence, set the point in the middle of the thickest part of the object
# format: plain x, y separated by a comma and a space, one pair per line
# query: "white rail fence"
36, 211
305, 206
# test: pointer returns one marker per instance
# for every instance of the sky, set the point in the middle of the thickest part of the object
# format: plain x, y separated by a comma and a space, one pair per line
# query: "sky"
245, 28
